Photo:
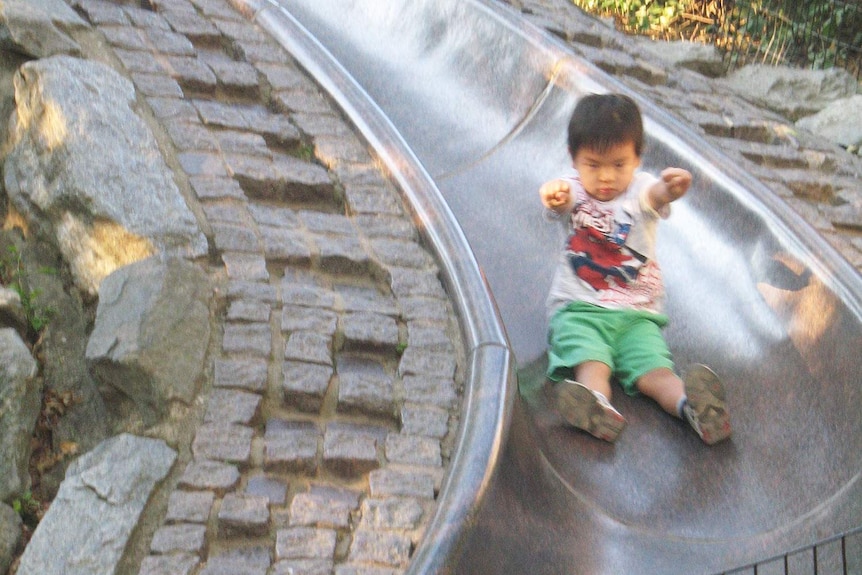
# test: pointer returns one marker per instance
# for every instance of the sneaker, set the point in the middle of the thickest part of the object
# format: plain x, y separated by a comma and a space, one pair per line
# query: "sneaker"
706, 409
585, 409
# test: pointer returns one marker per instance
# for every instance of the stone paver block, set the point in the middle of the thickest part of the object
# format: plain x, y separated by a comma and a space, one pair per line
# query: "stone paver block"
401, 253
239, 289
365, 569
193, 26
240, 142
157, 85
243, 514
299, 318
276, 216
236, 78
191, 136
173, 110
305, 543
362, 330
139, 61
291, 446
430, 390
192, 74
356, 298
305, 384
399, 483
232, 406
324, 506
262, 51
249, 374
388, 548
283, 76
285, 245
207, 187
413, 449
189, 506
325, 223
367, 200
408, 282
385, 225
303, 567
275, 490
184, 537
426, 420
350, 450
334, 150
309, 346
223, 442
221, 115
240, 561
306, 295
391, 513
174, 564
365, 387
216, 476
420, 361
301, 100
249, 310
430, 337
316, 125
248, 338
202, 164
235, 238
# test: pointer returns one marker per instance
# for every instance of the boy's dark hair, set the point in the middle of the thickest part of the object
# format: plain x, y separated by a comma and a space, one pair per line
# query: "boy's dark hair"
604, 120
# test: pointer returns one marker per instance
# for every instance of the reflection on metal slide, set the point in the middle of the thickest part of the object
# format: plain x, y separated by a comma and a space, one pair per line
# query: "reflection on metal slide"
480, 99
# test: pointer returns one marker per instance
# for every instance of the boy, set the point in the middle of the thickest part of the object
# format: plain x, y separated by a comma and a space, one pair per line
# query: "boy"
606, 298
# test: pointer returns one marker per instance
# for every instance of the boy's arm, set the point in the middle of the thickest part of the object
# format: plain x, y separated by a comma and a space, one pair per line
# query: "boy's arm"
556, 195
672, 185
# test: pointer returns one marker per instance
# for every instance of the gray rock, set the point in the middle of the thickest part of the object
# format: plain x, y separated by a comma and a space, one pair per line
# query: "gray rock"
88, 525
791, 92
20, 399
83, 166
702, 58
39, 28
151, 333
840, 122
10, 534
11, 310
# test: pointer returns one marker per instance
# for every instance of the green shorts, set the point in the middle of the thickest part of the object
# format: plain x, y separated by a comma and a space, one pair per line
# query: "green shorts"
629, 341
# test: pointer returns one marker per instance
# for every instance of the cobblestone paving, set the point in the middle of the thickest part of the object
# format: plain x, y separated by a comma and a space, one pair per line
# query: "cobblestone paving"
333, 401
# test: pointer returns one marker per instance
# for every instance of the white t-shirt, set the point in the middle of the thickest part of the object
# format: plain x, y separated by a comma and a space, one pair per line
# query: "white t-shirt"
609, 257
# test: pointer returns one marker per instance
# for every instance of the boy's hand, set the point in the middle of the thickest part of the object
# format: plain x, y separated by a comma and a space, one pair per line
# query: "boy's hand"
676, 181
555, 194
672, 185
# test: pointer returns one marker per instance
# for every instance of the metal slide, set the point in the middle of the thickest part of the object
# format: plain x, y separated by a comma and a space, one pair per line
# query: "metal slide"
482, 99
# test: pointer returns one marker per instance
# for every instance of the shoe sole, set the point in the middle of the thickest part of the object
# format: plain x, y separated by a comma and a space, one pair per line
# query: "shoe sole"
580, 408
706, 396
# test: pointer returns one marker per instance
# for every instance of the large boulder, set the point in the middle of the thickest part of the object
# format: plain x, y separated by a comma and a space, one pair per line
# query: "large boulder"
791, 92
39, 28
20, 399
10, 535
83, 167
840, 122
151, 334
87, 527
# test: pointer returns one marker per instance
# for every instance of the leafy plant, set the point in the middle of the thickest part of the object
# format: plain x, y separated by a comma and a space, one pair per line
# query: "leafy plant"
13, 275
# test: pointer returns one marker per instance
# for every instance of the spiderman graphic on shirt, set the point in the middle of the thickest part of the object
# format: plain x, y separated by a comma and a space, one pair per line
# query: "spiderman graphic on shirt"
596, 248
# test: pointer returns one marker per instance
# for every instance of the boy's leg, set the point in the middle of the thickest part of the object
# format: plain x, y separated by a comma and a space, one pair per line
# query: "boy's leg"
664, 386
584, 403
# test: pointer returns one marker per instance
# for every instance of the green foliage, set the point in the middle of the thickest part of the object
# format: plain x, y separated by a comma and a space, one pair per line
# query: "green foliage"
639, 16
14, 276
28, 507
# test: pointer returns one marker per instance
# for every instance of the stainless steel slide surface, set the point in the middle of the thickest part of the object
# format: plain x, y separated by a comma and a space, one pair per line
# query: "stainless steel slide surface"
482, 99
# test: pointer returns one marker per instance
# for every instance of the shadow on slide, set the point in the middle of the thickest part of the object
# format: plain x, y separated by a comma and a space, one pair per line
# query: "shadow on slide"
482, 99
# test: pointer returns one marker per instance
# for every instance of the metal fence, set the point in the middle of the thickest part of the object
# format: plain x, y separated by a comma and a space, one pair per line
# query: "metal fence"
804, 33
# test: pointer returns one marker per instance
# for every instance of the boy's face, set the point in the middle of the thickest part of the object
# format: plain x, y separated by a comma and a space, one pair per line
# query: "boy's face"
607, 174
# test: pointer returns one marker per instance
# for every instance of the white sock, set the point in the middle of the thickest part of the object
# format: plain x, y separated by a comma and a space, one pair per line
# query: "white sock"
680, 406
